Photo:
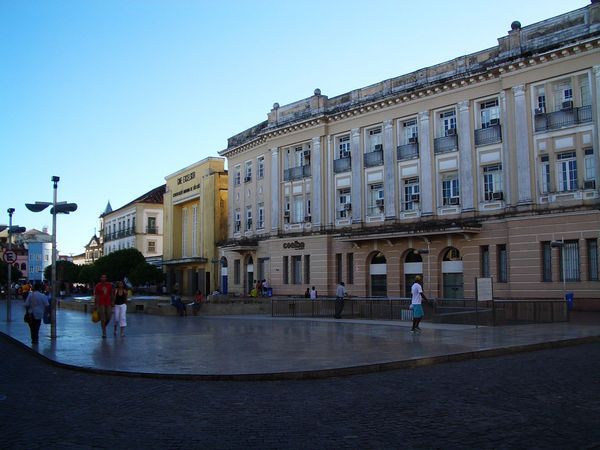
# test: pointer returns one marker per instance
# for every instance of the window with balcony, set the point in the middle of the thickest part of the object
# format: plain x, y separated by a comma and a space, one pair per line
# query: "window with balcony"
151, 227
237, 221
412, 196
375, 199
544, 168
248, 171
344, 205
261, 216
260, 167
248, 218
450, 192
374, 140
297, 163
540, 100
409, 140
566, 171
590, 169
447, 140
342, 161
489, 131
492, 182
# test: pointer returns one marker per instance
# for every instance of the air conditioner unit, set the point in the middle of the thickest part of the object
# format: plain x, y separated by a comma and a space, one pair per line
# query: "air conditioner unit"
379, 202
540, 111
307, 218
494, 122
567, 104
415, 198
589, 184
378, 147
451, 132
347, 206
497, 195
345, 154
454, 200
413, 140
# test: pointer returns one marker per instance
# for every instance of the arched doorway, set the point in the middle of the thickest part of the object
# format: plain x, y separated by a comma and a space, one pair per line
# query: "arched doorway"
413, 266
250, 274
378, 272
224, 287
452, 274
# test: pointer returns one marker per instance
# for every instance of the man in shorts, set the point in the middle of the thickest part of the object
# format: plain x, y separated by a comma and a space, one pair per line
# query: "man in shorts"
416, 304
103, 302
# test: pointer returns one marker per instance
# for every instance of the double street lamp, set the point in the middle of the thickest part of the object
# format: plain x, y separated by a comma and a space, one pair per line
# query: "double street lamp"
10, 258
57, 208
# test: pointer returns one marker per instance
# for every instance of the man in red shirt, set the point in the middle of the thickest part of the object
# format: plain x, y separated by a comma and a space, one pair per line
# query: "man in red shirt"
103, 302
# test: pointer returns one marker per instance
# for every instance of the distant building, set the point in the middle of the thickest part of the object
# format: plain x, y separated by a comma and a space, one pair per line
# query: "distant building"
93, 250
138, 225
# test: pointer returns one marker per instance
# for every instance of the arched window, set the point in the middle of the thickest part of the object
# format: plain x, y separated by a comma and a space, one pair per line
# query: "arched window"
378, 272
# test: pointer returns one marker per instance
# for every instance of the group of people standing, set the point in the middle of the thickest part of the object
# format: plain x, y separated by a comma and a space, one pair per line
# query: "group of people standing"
109, 300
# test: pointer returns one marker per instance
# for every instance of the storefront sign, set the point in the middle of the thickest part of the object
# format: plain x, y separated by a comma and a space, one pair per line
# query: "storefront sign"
188, 177
296, 245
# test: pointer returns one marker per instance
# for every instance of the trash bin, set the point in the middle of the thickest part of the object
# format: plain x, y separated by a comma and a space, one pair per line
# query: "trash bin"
269, 292
569, 298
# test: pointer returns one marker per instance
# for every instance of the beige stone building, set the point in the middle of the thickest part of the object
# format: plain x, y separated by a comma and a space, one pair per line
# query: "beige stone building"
138, 224
482, 166
195, 219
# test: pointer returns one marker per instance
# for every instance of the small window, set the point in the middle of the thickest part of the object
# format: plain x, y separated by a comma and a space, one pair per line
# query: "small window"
502, 263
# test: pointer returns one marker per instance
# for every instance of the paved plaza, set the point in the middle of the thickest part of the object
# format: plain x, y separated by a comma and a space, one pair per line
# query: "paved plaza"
262, 347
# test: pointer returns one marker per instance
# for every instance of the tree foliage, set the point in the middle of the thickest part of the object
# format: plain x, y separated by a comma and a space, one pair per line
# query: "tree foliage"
88, 274
145, 273
15, 273
65, 271
118, 265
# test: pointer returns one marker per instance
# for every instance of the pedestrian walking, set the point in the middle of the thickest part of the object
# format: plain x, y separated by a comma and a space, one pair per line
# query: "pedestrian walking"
340, 293
198, 301
120, 308
416, 304
35, 304
103, 302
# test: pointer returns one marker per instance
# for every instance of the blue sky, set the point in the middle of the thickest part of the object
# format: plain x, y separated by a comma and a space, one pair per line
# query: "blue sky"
112, 96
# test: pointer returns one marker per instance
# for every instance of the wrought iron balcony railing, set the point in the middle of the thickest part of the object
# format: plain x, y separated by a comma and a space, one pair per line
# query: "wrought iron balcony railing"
564, 118
488, 135
407, 151
373, 159
342, 165
445, 144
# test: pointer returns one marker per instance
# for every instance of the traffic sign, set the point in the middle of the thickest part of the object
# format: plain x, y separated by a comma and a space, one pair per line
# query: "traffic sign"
9, 257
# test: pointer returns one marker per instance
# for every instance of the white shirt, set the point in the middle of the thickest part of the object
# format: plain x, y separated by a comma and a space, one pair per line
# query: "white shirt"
340, 292
416, 291
313, 294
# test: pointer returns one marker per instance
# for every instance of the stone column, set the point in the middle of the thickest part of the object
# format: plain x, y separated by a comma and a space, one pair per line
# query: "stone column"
506, 157
357, 169
330, 188
468, 182
522, 146
275, 210
427, 175
317, 189
389, 163
595, 93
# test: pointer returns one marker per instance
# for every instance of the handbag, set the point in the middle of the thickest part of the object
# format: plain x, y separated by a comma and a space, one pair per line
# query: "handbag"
95, 316
47, 319
27, 318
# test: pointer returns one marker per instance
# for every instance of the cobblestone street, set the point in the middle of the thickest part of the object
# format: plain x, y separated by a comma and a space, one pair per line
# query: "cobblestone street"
543, 399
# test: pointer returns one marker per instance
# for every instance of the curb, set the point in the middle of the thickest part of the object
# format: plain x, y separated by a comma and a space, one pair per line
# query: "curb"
324, 373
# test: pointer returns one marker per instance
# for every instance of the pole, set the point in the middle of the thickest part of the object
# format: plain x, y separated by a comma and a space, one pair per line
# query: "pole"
53, 280
8, 294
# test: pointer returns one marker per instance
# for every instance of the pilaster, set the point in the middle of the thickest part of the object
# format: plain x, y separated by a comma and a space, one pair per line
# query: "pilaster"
507, 162
275, 194
425, 178
389, 165
522, 146
465, 151
317, 191
357, 169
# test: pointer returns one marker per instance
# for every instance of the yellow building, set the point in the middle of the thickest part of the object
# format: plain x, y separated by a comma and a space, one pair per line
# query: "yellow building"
195, 218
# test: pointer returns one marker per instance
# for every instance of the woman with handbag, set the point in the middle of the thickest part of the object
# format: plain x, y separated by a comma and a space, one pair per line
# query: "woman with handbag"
35, 306
120, 308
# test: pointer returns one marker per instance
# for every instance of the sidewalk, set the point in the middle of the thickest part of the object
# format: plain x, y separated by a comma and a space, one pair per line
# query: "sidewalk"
262, 347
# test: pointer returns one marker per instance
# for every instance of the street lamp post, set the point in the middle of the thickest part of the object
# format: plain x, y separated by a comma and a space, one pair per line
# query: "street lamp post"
11, 230
57, 208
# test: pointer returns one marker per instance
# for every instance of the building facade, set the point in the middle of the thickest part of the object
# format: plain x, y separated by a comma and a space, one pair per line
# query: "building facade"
137, 225
195, 219
483, 166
